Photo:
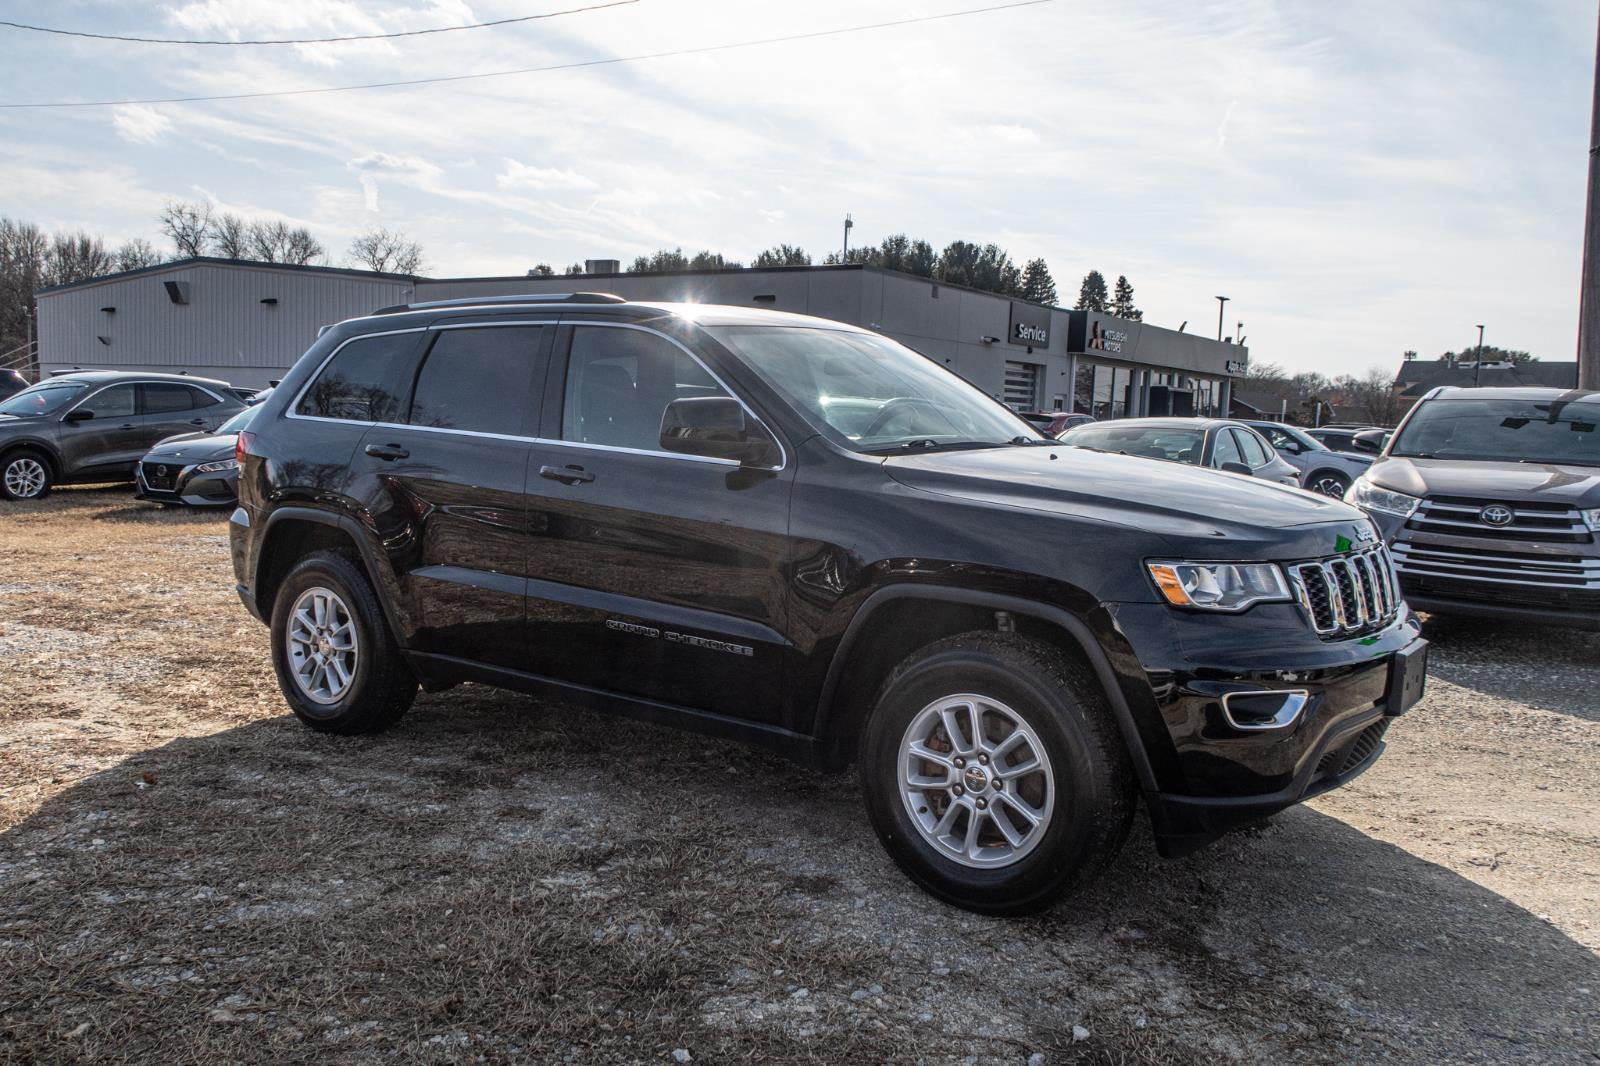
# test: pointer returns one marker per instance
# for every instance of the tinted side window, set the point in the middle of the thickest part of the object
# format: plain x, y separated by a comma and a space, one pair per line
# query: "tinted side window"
619, 382
163, 399
478, 379
368, 381
115, 402
1226, 450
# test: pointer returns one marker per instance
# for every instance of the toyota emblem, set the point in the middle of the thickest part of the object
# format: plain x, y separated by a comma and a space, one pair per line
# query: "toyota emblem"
1496, 514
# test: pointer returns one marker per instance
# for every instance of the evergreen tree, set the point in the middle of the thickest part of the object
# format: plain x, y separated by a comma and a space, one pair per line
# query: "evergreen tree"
574, 269
662, 261
713, 261
958, 263
1122, 300
1092, 293
1037, 284
542, 270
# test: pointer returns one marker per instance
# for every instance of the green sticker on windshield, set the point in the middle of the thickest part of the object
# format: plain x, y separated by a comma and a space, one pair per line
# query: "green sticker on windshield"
1342, 545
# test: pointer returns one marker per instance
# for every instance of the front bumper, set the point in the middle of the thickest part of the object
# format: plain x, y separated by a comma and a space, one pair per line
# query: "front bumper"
192, 489
1227, 770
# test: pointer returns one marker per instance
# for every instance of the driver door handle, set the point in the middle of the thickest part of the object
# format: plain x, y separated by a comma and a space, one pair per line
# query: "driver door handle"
197, 421
387, 452
567, 475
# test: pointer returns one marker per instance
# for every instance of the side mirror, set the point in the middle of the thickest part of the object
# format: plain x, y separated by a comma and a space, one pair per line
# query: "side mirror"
718, 428
1236, 468
79, 415
1293, 447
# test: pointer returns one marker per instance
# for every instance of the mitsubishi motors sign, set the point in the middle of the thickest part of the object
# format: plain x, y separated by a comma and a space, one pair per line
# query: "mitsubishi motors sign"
1030, 326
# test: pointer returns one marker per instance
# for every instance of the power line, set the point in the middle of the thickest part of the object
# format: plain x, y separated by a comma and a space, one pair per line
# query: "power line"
537, 70
318, 40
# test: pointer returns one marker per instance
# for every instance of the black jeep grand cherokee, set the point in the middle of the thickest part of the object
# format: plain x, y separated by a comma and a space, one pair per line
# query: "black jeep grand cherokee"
798, 533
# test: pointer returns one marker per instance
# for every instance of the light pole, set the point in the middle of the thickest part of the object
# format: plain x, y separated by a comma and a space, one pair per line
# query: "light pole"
1222, 303
1477, 368
1589, 296
847, 224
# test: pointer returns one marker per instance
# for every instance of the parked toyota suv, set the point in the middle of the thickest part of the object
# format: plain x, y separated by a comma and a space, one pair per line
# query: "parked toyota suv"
653, 509
1491, 501
95, 425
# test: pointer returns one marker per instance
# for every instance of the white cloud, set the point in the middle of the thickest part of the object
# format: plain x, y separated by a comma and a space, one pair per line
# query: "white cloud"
521, 176
140, 125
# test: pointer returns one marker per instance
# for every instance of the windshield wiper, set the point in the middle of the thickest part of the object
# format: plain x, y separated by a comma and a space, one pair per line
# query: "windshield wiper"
928, 444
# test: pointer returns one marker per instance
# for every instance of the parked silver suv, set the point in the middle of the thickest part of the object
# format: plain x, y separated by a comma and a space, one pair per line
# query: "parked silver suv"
1490, 499
96, 425
1321, 468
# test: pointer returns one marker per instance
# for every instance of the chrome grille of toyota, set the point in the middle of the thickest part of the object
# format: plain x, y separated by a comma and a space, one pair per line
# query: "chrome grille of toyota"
1347, 594
1462, 516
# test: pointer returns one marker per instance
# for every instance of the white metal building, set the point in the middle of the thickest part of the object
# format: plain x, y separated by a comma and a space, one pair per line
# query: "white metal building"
244, 323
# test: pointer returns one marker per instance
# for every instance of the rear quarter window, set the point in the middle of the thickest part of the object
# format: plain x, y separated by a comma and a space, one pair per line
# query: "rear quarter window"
367, 380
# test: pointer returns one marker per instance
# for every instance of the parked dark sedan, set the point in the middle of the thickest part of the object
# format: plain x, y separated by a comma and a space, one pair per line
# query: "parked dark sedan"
95, 425
1218, 443
197, 469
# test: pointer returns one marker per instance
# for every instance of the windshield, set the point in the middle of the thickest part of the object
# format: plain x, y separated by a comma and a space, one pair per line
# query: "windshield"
1515, 430
237, 422
1172, 443
878, 395
43, 399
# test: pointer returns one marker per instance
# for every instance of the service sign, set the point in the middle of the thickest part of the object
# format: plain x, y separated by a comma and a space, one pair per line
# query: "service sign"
1029, 326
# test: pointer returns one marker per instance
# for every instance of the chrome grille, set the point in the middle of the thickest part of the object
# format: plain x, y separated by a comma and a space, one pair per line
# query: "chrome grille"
1502, 567
1347, 594
1459, 516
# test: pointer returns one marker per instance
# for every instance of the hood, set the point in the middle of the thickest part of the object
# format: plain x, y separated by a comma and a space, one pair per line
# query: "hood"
1575, 486
189, 448
1181, 503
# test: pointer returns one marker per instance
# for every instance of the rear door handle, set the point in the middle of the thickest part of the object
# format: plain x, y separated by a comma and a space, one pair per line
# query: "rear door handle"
387, 452
128, 425
197, 421
567, 475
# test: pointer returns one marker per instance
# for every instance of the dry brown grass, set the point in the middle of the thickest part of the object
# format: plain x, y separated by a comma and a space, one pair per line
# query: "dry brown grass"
186, 875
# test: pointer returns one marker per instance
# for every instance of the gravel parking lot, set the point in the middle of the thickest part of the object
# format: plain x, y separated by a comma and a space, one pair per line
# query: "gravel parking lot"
187, 875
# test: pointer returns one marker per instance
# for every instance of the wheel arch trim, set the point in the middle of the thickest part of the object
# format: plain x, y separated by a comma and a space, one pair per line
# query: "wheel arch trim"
371, 560
1073, 626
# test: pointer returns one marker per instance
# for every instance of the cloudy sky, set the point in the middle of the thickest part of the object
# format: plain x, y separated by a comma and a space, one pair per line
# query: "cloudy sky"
1361, 178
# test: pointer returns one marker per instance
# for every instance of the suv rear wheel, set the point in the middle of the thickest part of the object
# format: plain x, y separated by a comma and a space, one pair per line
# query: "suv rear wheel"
993, 773
337, 662
25, 475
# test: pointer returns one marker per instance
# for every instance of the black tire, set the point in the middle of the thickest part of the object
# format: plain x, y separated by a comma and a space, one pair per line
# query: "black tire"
1328, 483
382, 686
26, 461
1094, 794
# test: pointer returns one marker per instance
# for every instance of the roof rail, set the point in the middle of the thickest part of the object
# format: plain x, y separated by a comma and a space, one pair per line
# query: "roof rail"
527, 298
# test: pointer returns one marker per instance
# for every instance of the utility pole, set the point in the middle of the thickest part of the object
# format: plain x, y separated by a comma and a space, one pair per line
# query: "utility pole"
847, 224
1222, 303
1589, 295
1477, 368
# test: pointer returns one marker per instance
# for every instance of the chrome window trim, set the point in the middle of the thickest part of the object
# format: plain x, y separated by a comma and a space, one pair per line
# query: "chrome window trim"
290, 411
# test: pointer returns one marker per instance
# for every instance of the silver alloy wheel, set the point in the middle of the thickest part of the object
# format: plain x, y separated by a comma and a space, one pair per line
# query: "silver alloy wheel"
323, 645
976, 781
1330, 485
25, 477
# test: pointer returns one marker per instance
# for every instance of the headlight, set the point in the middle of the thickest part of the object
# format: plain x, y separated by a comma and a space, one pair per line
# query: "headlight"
212, 468
1364, 493
1219, 586
1592, 519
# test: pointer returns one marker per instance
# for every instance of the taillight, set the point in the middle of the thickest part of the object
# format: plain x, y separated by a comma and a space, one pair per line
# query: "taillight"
241, 446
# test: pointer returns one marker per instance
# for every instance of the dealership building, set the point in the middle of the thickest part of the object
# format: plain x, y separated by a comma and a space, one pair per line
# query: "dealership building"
246, 323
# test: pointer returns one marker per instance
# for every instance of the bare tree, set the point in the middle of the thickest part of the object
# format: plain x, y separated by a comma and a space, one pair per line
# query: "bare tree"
76, 256
230, 236
23, 249
136, 255
268, 241
188, 225
386, 252
302, 248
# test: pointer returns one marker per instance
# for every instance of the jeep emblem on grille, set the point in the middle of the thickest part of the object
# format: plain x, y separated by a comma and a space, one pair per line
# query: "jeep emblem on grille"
1496, 514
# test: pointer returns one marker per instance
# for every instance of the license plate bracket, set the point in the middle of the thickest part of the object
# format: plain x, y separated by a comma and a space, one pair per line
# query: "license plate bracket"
1408, 678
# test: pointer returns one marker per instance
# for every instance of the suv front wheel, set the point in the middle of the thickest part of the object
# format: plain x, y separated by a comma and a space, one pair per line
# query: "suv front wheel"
25, 475
337, 662
993, 773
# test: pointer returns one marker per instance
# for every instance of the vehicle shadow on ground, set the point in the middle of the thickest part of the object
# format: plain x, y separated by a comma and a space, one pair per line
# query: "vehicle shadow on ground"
1555, 668
504, 876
